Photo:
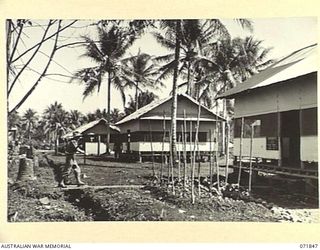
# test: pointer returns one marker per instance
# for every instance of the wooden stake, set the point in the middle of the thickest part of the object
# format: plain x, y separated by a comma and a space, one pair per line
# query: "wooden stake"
217, 149
190, 144
169, 161
184, 149
196, 144
227, 152
85, 152
151, 145
179, 155
163, 140
192, 162
171, 166
250, 155
210, 158
240, 153
199, 166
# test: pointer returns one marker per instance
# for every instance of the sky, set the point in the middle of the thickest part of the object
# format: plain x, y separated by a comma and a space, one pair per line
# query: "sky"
284, 35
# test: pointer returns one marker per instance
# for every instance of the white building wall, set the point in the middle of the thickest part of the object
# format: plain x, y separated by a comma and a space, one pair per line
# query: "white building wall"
309, 148
258, 148
279, 97
157, 146
92, 148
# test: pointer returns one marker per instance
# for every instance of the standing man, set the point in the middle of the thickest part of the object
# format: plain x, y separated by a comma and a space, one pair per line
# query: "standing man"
72, 147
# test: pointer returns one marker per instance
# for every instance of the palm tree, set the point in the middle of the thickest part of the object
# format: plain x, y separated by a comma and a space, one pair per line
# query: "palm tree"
231, 61
141, 70
56, 122
144, 98
29, 120
76, 119
196, 35
173, 32
14, 120
107, 52
185, 35
116, 115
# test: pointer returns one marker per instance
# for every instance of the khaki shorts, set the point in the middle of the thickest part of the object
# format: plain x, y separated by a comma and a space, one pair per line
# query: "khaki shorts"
71, 163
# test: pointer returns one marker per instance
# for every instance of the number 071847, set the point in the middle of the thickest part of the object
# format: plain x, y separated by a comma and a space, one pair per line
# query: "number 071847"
308, 246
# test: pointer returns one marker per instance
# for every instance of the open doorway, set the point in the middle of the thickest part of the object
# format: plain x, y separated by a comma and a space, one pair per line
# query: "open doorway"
290, 138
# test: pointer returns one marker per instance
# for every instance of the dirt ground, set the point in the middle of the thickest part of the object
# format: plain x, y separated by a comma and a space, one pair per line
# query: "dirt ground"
41, 200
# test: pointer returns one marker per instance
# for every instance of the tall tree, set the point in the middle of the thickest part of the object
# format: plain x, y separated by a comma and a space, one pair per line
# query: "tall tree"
186, 32
14, 120
56, 119
116, 115
230, 62
144, 98
141, 70
76, 119
173, 30
107, 52
29, 121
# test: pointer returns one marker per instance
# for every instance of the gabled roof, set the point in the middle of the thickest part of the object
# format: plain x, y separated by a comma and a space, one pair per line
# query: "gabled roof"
142, 111
298, 63
82, 129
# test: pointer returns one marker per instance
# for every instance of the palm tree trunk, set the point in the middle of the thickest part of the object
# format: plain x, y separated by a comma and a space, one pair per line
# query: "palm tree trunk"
174, 96
108, 111
230, 78
29, 133
188, 79
137, 95
56, 144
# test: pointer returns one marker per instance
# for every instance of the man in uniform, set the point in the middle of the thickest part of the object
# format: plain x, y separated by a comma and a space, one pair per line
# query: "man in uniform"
72, 147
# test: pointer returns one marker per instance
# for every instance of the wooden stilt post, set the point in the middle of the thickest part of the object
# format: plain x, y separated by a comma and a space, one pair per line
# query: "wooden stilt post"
279, 131
240, 152
300, 127
279, 137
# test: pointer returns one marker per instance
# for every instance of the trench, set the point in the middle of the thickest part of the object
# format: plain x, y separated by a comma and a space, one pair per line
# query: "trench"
85, 199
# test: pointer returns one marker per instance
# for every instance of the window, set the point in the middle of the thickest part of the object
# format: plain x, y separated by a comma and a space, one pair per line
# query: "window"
264, 126
309, 121
272, 143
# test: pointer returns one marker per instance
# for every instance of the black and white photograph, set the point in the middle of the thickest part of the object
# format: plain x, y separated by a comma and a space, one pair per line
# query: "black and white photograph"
206, 120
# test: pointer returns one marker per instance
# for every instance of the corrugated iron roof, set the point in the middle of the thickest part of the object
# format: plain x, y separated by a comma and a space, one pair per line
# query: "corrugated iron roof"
89, 125
298, 63
140, 112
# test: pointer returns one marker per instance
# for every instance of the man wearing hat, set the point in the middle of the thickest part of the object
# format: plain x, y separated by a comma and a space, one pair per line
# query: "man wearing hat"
72, 147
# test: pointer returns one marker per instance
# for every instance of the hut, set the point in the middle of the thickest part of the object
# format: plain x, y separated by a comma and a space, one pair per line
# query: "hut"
147, 130
279, 105
95, 136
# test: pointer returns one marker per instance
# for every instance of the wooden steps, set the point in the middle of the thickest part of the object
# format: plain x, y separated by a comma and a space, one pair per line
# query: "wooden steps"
296, 172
